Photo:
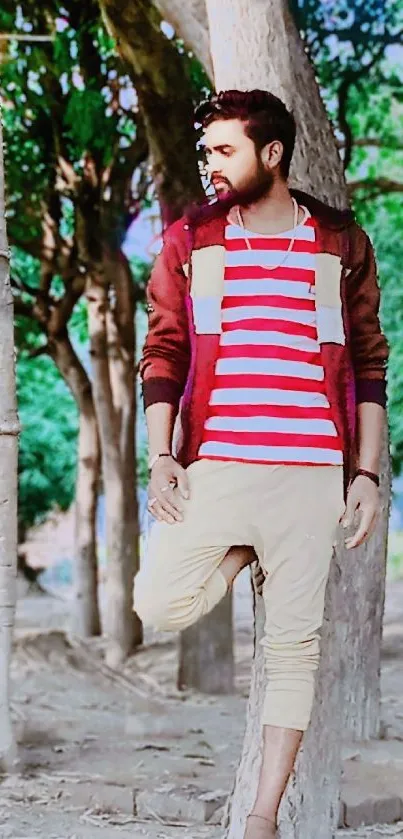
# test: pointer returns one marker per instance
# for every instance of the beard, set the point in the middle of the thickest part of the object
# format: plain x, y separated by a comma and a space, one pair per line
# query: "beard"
252, 191
257, 187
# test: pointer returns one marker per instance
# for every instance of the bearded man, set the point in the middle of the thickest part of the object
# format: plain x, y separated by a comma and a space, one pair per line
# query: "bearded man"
264, 345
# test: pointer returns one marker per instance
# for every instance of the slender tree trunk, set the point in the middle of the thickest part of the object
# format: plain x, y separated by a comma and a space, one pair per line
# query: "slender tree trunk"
86, 617
122, 355
121, 624
87, 620
9, 429
206, 651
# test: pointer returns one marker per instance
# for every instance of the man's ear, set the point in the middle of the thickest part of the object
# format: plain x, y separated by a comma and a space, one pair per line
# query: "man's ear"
271, 154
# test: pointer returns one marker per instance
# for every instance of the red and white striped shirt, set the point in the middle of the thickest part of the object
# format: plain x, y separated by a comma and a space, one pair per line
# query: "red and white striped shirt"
268, 403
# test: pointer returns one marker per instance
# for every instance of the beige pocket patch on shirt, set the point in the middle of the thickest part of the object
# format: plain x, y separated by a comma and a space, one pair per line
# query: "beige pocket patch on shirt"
329, 317
208, 265
207, 288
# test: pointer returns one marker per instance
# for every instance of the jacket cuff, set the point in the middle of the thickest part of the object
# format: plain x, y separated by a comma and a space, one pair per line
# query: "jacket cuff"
161, 390
371, 390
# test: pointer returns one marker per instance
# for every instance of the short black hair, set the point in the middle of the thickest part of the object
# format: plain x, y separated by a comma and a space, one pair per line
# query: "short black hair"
265, 116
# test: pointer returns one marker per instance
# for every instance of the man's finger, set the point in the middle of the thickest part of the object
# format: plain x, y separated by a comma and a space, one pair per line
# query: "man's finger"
348, 517
183, 483
168, 507
166, 493
363, 530
161, 514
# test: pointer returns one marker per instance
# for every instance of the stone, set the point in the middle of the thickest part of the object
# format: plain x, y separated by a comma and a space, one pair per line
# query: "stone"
388, 809
357, 810
181, 804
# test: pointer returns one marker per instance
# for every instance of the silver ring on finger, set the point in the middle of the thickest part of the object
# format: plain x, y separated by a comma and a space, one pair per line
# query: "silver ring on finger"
165, 488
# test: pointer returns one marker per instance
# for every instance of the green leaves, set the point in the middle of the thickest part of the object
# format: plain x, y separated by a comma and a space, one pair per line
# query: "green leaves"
47, 454
87, 124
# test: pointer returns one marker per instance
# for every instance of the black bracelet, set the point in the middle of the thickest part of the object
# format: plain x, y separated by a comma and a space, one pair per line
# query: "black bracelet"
366, 474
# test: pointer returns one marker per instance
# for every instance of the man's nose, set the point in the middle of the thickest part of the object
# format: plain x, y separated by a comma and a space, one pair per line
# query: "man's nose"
212, 167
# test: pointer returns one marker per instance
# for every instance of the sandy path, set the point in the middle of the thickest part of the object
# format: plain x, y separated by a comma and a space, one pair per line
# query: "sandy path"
86, 741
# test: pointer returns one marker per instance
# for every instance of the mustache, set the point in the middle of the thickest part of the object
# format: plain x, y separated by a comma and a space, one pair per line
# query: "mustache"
207, 211
217, 179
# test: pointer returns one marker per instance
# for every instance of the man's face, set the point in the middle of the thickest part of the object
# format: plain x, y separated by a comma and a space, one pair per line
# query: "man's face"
232, 161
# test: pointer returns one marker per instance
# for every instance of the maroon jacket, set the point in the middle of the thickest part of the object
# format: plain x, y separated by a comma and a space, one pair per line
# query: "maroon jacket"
184, 305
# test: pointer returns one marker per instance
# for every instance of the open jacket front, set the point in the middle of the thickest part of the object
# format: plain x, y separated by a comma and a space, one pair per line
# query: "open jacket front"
184, 304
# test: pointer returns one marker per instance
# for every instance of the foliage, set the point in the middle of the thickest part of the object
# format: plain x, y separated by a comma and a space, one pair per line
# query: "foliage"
383, 218
47, 452
48, 415
63, 100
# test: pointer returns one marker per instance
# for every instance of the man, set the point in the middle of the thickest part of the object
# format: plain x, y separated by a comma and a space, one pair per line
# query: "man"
264, 334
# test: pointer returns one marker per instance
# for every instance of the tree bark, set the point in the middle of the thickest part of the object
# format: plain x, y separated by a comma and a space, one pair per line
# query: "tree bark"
360, 618
190, 22
256, 44
165, 100
120, 623
86, 616
9, 429
263, 48
206, 656
122, 366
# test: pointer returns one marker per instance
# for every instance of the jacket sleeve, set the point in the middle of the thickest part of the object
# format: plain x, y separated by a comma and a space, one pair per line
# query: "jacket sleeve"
369, 348
166, 354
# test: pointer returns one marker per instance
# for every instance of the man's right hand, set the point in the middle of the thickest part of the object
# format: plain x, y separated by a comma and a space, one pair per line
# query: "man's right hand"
168, 485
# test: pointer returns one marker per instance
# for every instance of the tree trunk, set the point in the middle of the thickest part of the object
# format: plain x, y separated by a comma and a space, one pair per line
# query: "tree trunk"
165, 99
263, 48
9, 429
190, 22
122, 356
86, 617
359, 620
206, 658
120, 624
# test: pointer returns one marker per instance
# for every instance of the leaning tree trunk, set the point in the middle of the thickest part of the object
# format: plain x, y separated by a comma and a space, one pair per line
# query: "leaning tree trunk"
256, 44
86, 617
206, 650
9, 429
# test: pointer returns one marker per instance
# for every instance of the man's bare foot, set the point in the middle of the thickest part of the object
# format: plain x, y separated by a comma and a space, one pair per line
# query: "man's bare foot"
238, 557
259, 828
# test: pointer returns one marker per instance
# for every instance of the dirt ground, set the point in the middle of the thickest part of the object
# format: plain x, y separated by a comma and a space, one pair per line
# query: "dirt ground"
88, 739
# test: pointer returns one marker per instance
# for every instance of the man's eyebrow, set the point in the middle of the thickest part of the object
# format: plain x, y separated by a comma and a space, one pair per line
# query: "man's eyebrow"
218, 148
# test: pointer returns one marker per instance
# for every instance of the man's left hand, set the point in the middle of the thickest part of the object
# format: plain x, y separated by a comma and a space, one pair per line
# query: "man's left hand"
362, 496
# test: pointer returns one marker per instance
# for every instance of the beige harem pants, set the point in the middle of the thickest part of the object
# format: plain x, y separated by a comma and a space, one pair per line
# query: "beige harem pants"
289, 514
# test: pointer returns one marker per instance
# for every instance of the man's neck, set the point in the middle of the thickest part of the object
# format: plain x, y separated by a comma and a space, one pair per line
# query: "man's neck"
274, 213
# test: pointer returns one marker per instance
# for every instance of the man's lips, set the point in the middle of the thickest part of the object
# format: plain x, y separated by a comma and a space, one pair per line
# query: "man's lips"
217, 181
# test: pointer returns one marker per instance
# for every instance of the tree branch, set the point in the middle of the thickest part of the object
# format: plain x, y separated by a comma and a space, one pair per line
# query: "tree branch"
362, 142
377, 186
344, 124
38, 351
21, 307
